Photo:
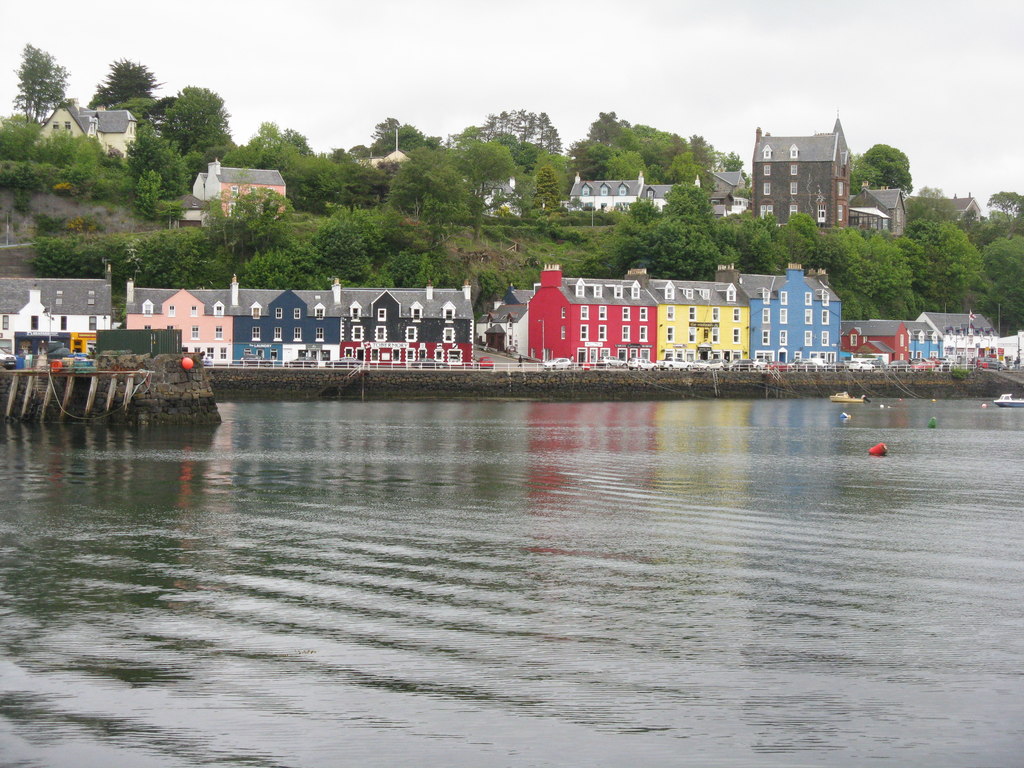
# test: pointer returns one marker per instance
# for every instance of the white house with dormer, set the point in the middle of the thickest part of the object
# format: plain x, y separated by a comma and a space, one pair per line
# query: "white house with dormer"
615, 194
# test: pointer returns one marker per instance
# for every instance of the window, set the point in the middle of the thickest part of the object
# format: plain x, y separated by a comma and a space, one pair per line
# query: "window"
296, 314
357, 333
278, 331
643, 313
767, 170
604, 190
380, 333
218, 310
353, 311
584, 312
767, 188
670, 292
580, 288
735, 335
670, 334
449, 313
767, 153
715, 312
808, 316
794, 153
784, 298
693, 314
783, 338
382, 314
824, 338
223, 353
792, 170
255, 333
808, 298
824, 298
794, 187
625, 313
634, 292
625, 333
793, 209
643, 333
736, 314
147, 309
598, 290
840, 188
670, 313
563, 313
319, 313
808, 338
410, 333
839, 213
279, 313
170, 310
821, 213
195, 333
297, 334
766, 210
602, 333
825, 319
449, 335
853, 339
692, 335
218, 333
783, 316
766, 338
584, 333
623, 189
417, 313
602, 313
255, 313
714, 335
766, 315
585, 190
7, 323
194, 312
63, 322
92, 322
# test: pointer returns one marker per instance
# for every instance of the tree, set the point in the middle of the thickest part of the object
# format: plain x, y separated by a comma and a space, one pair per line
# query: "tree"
41, 84
152, 153
409, 138
930, 205
126, 80
430, 187
283, 268
197, 121
18, 136
258, 221
147, 194
549, 193
607, 128
484, 165
1009, 206
882, 166
1004, 268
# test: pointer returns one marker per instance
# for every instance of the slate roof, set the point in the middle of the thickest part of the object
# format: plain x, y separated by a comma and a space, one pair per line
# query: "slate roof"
247, 176
107, 120
505, 311
730, 179
716, 293
821, 147
607, 296
74, 295
191, 202
634, 188
872, 327
753, 284
963, 203
406, 297
943, 320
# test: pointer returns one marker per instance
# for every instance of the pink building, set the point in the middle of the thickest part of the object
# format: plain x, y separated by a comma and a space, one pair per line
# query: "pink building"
225, 184
201, 315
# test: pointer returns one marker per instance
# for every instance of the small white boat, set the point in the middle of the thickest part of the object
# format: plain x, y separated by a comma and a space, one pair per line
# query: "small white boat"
846, 397
1009, 401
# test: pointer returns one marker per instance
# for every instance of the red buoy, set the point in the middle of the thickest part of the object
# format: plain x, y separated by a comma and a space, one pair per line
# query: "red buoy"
878, 450
186, 363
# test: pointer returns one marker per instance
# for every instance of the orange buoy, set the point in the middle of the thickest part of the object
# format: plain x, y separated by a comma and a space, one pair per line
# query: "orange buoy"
878, 450
187, 363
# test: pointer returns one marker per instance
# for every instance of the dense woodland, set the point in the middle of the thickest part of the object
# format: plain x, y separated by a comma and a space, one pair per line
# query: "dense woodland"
435, 217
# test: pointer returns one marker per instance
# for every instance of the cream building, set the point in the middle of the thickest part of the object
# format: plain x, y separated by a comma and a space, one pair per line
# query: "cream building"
114, 129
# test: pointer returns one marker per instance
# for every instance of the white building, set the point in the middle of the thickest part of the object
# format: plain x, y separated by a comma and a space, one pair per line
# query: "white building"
617, 194
34, 311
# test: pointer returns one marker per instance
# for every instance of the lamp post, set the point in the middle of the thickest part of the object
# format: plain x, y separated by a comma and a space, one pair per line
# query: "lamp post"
543, 349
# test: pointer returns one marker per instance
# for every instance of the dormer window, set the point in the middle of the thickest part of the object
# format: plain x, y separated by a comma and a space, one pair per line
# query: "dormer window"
623, 190
218, 310
449, 312
598, 290
353, 311
670, 292
634, 292
318, 312
650, 194
256, 311
794, 153
766, 153
730, 294
580, 288
705, 293
617, 290
417, 312
147, 308
604, 190
689, 293
586, 191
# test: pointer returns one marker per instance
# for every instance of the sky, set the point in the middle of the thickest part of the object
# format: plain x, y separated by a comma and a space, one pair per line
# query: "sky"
938, 80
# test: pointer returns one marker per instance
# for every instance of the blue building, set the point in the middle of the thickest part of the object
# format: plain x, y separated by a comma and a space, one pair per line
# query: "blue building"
286, 325
924, 341
793, 317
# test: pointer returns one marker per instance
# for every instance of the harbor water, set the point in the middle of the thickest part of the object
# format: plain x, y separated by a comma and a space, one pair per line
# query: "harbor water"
705, 583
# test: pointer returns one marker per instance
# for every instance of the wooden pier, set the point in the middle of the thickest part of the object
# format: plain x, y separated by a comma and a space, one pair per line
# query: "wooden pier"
70, 395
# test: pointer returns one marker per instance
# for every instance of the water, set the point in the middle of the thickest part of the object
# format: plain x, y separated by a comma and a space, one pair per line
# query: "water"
517, 584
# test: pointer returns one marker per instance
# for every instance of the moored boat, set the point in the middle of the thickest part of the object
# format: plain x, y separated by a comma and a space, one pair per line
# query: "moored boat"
1009, 401
846, 397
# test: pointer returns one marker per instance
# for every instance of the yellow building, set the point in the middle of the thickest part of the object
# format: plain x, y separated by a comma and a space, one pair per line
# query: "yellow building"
114, 129
701, 320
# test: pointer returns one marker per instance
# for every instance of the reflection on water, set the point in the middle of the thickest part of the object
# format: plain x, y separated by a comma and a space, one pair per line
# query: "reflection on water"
526, 584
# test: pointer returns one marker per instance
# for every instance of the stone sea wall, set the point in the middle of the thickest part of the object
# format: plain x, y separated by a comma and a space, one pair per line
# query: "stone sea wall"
303, 383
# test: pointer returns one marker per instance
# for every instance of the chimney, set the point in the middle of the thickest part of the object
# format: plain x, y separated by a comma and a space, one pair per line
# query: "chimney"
551, 276
641, 179
639, 274
865, 185
430, 291
214, 169
577, 178
108, 273
234, 290
129, 292
336, 290
727, 273
466, 290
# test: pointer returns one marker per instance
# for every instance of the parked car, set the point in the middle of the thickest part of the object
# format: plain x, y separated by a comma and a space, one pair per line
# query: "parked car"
777, 366
640, 364
675, 365
922, 365
810, 364
10, 362
302, 362
994, 365
714, 365
485, 362
862, 364
899, 365
248, 361
611, 362
343, 362
746, 364
430, 364
558, 363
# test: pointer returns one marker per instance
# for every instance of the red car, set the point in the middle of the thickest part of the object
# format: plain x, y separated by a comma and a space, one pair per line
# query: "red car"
485, 362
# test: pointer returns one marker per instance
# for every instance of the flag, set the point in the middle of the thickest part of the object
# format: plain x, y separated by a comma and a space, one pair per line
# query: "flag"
971, 317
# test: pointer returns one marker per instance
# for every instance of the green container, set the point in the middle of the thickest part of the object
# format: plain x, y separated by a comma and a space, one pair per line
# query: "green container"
165, 341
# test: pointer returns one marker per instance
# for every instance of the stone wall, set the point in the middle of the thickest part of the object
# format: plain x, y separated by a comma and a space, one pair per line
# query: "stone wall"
302, 383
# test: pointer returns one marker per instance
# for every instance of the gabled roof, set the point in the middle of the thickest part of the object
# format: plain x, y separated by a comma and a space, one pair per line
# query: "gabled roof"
728, 180
942, 321
607, 296
74, 295
250, 176
107, 120
406, 297
821, 147
872, 327
716, 293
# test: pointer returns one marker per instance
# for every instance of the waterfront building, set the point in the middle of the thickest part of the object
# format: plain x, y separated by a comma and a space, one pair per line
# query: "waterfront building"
504, 327
407, 325
701, 320
34, 311
201, 316
586, 319
795, 316
886, 339
965, 336
924, 341
802, 174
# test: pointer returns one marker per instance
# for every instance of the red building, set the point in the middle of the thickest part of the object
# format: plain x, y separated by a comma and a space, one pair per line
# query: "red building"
588, 319
889, 338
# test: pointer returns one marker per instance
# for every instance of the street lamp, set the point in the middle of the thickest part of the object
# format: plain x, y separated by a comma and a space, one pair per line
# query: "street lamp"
543, 350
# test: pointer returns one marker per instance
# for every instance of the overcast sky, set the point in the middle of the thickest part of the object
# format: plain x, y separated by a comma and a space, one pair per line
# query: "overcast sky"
939, 80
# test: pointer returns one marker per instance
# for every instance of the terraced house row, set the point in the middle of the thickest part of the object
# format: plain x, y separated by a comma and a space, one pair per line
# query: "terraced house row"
784, 318
384, 325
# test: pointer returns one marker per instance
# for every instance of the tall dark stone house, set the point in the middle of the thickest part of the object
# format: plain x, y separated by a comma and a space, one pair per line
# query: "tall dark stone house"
803, 174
